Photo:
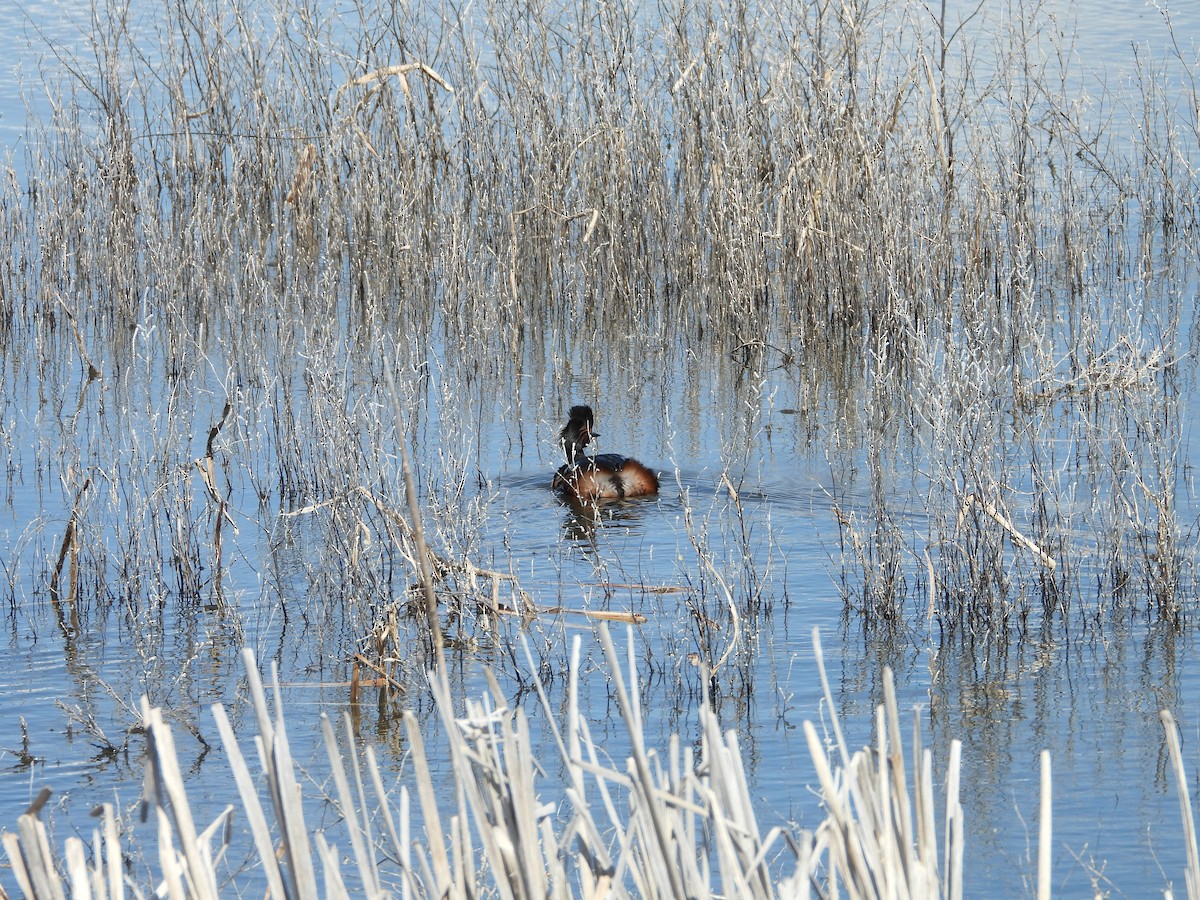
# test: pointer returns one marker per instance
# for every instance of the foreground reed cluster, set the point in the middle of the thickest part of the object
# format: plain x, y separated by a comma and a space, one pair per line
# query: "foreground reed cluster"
961, 274
661, 824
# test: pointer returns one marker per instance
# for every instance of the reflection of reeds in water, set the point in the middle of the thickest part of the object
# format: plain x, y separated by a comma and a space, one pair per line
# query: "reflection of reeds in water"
665, 824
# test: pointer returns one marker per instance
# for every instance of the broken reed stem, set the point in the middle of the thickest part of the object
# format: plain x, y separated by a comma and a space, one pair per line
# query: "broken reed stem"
629, 618
380, 671
400, 72
410, 490
69, 548
1002, 520
208, 474
30, 854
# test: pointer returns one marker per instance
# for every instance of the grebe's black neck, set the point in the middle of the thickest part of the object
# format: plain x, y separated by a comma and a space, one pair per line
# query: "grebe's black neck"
577, 434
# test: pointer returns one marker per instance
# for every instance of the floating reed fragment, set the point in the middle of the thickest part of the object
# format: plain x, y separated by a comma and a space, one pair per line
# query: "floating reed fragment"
605, 615
648, 588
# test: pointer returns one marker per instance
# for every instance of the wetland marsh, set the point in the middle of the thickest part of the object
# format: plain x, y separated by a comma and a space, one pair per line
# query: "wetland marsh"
897, 299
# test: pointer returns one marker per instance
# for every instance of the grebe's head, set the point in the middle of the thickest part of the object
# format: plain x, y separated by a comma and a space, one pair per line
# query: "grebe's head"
577, 433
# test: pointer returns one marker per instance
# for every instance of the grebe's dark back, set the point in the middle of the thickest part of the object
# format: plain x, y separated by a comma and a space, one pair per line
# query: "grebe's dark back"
605, 476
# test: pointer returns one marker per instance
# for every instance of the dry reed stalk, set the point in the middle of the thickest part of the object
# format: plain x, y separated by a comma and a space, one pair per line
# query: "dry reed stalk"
30, 855
92, 372
299, 197
192, 863
869, 836
298, 193
284, 789
1045, 820
1183, 785
361, 839
646, 588
440, 568
629, 618
208, 475
400, 72
251, 806
631, 715
423, 557
106, 880
384, 675
439, 877
1003, 521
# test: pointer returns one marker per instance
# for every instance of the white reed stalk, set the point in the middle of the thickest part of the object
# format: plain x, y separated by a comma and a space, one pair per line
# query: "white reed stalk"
1044, 825
1185, 803
954, 826
166, 783
360, 835
77, 870
429, 809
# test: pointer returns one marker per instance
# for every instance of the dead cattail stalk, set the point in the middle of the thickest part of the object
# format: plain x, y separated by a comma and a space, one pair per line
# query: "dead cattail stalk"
92, 372
303, 176
209, 476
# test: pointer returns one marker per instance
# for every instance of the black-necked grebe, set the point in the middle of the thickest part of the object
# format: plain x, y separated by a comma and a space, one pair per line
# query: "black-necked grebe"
606, 476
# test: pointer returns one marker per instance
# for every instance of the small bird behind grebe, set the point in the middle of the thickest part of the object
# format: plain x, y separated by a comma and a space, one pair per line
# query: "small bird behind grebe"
605, 476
